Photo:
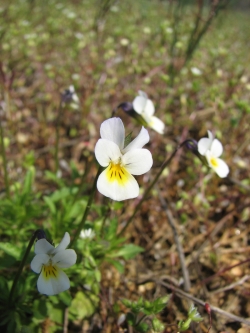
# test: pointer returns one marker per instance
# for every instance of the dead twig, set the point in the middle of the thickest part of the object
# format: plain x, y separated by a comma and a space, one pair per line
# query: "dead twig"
169, 215
232, 285
182, 293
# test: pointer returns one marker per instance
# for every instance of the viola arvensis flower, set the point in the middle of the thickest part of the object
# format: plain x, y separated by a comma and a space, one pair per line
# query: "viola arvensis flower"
145, 107
212, 149
116, 181
49, 262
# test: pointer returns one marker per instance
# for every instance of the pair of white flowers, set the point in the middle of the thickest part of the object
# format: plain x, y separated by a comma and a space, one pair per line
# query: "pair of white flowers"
116, 181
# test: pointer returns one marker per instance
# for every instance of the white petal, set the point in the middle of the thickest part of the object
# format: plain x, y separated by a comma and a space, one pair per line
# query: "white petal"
142, 93
220, 167
64, 259
139, 104
141, 139
113, 130
137, 161
63, 244
157, 125
43, 246
54, 285
116, 189
216, 148
106, 151
204, 145
210, 135
38, 261
149, 109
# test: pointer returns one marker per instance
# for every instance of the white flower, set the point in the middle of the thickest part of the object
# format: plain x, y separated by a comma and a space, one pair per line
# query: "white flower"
146, 109
212, 148
116, 181
196, 71
87, 234
49, 262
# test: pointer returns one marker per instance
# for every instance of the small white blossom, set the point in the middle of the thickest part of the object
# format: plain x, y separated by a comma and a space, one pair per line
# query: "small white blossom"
116, 181
212, 148
196, 71
145, 107
87, 234
49, 262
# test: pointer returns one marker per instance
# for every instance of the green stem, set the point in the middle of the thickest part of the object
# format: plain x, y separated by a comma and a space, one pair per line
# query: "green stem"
6, 179
109, 210
20, 268
89, 203
140, 320
83, 177
58, 122
164, 165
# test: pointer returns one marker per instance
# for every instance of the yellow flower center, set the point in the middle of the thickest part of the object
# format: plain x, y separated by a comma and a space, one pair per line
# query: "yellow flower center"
117, 173
214, 162
49, 271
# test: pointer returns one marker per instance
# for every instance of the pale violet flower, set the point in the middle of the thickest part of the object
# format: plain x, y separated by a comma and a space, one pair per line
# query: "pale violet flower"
87, 234
116, 181
145, 107
69, 96
49, 262
212, 149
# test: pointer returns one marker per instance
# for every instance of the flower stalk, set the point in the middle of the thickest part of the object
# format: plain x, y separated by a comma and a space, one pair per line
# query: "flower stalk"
88, 206
20, 268
6, 178
164, 165
58, 122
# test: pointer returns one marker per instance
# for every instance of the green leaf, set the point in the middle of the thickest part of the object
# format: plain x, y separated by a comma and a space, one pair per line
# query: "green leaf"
117, 265
129, 251
4, 288
65, 297
6, 261
28, 181
111, 230
50, 204
11, 249
142, 327
51, 176
83, 305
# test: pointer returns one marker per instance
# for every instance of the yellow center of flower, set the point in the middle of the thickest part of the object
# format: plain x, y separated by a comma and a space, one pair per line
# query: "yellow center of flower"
49, 271
117, 173
214, 162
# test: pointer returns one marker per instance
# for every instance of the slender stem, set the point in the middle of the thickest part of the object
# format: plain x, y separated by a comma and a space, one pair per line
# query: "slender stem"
108, 212
83, 177
164, 165
89, 203
20, 268
140, 320
58, 123
6, 179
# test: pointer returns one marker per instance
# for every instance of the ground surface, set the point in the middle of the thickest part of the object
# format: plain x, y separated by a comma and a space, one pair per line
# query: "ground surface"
108, 59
